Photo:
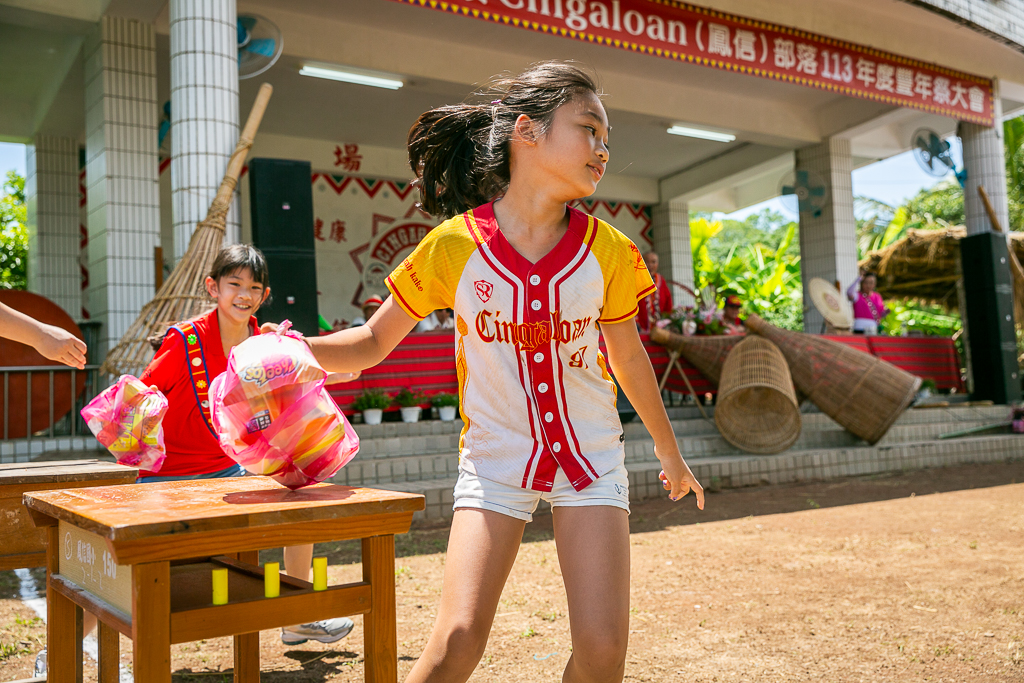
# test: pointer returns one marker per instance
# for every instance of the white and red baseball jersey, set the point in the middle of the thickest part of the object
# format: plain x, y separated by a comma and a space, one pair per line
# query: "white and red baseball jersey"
534, 390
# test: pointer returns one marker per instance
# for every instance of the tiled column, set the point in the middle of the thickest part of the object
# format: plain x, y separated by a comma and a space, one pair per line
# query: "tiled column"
670, 229
121, 171
204, 111
828, 238
985, 164
51, 193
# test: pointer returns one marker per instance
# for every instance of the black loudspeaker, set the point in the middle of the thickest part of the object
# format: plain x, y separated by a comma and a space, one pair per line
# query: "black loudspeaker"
988, 290
281, 197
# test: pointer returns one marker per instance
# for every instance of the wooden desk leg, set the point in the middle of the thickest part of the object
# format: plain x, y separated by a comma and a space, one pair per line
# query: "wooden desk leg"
379, 632
247, 645
110, 653
63, 623
151, 622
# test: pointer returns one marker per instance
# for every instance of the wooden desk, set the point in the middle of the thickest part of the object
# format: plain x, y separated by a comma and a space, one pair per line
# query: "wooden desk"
140, 557
22, 545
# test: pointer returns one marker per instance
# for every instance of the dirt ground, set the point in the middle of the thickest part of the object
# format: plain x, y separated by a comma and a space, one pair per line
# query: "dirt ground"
917, 577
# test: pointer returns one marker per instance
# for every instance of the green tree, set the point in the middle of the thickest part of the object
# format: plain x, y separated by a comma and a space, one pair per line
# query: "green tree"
13, 234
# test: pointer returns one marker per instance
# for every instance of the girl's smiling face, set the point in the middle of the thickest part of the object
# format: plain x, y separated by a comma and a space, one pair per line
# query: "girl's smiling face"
238, 295
572, 154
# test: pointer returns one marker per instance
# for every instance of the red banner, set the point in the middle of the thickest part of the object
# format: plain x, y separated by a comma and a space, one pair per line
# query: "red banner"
686, 33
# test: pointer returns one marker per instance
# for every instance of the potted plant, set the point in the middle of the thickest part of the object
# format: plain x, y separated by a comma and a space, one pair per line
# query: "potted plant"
446, 405
409, 401
372, 404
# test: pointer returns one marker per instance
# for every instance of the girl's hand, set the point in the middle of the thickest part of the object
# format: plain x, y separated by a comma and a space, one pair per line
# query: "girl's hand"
267, 328
60, 345
677, 478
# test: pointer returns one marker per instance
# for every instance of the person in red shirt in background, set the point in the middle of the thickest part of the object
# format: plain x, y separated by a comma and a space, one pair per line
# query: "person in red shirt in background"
731, 315
658, 304
192, 354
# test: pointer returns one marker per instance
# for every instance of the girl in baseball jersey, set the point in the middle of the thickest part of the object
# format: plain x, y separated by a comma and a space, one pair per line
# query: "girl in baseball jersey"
534, 284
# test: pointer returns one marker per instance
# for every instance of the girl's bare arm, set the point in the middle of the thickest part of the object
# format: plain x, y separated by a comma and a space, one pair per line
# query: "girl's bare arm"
632, 367
365, 346
52, 342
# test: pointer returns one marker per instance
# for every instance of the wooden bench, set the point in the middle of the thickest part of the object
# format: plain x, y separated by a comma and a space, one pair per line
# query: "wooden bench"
22, 545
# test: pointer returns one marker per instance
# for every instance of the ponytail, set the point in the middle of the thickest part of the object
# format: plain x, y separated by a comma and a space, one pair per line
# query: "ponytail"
460, 153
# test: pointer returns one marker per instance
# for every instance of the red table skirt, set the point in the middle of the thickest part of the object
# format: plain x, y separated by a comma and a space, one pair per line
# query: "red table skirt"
427, 362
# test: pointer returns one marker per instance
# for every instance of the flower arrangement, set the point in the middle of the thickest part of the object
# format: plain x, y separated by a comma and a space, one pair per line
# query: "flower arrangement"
372, 399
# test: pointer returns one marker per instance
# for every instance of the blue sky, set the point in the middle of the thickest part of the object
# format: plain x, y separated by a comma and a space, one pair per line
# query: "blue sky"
12, 158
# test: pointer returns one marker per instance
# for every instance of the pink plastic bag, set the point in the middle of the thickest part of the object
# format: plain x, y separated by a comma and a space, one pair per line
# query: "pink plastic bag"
273, 415
127, 418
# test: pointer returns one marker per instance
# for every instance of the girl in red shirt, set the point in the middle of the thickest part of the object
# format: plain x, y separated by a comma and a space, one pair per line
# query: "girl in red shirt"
191, 355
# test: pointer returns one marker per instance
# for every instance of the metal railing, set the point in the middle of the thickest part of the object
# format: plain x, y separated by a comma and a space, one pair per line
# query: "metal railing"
69, 424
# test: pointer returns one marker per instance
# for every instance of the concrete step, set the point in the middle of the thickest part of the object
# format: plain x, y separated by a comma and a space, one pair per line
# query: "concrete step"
385, 468
752, 470
696, 436
436, 438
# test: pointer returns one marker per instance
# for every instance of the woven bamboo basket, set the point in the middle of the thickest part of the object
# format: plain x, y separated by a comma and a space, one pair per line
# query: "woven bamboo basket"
707, 354
757, 410
862, 393
183, 295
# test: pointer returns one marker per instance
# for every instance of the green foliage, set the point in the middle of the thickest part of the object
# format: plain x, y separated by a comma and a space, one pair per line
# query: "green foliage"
756, 259
372, 399
444, 400
915, 316
408, 398
13, 234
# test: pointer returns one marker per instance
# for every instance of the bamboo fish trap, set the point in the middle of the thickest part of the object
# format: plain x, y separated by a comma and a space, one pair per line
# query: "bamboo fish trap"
183, 295
862, 393
757, 410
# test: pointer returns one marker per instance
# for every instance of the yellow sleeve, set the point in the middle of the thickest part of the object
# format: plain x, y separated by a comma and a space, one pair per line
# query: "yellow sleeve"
626, 278
426, 280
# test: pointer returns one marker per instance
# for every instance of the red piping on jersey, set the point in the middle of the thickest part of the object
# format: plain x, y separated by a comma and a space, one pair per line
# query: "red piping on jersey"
639, 297
405, 304
482, 248
572, 247
561, 379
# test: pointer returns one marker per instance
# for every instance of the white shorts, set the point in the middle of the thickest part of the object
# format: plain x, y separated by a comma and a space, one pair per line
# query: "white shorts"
472, 491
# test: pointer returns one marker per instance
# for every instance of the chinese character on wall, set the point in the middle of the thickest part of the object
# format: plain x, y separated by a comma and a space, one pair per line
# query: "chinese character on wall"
348, 158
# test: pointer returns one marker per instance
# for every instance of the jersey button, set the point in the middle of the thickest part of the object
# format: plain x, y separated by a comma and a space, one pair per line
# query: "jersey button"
548, 417
535, 279
556, 447
535, 305
542, 388
538, 357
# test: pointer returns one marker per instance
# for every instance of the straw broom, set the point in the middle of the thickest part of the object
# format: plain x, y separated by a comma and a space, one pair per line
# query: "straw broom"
183, 295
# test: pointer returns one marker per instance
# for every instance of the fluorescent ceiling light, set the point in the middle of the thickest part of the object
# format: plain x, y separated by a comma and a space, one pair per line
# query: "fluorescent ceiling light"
360, 78
702, 134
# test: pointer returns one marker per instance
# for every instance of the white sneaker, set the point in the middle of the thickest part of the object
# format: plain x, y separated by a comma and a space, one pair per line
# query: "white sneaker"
325, 631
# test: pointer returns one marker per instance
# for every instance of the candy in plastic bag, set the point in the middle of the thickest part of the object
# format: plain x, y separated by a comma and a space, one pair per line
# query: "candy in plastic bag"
127, 418
273, 415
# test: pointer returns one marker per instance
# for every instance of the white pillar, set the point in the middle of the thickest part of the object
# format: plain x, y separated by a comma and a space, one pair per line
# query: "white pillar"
51, 194
121, 171
985, 163
204, 112
670, 232
828, 238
